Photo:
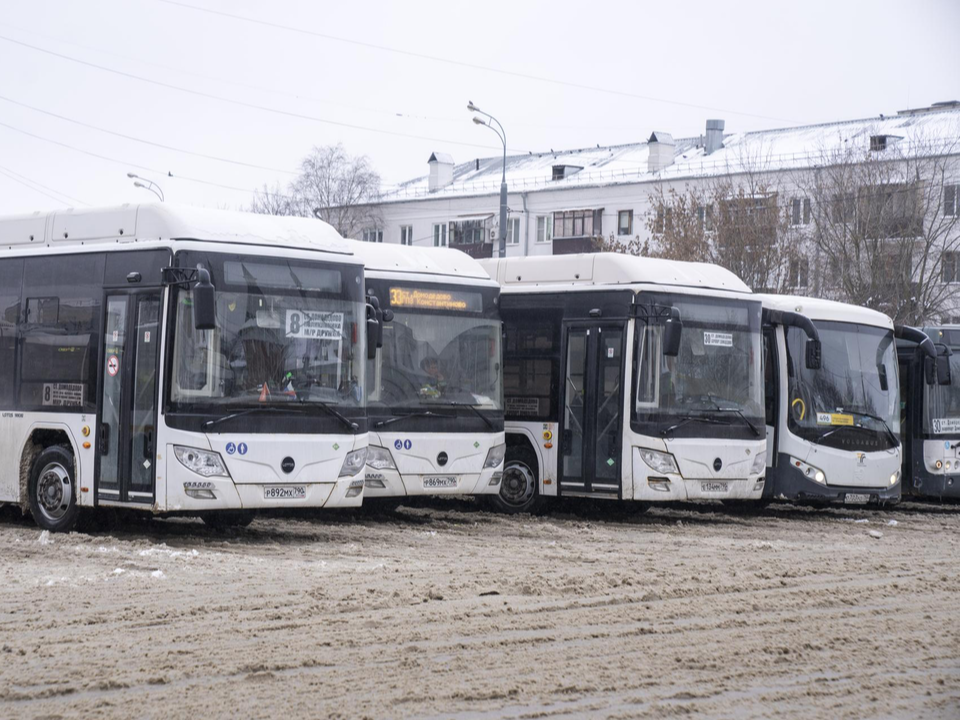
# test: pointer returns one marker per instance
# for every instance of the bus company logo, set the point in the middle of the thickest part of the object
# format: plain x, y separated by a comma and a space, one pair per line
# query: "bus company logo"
717, 464
861, 459
442, 459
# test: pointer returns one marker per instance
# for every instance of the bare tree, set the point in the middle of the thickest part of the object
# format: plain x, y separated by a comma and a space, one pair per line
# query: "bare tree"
732, 221
333, 186
885, 225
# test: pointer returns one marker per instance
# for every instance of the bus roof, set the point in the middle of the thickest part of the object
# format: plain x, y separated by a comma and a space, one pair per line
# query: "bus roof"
818, 309
406, 259
153, 221
595, 269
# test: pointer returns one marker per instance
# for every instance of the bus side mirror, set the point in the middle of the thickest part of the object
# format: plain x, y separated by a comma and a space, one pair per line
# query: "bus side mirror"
814, 359
882, 374
375, 319
204, 302
943, 370
930, 370
373, 330
672, 330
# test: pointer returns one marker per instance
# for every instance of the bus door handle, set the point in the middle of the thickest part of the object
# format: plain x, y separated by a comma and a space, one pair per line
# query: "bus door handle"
104, 438
148, 444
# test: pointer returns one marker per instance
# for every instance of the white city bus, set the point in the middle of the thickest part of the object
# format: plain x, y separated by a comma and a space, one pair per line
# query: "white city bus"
179, 361
832, 402
434, 397
629, 378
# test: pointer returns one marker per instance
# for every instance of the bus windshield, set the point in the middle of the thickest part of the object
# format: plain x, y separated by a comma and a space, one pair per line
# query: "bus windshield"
287, 332
442, 348
716, 374
941, 403
852, 401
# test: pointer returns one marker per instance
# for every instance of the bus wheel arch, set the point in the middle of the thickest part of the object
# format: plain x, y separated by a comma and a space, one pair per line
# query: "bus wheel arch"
48, 466
520, 487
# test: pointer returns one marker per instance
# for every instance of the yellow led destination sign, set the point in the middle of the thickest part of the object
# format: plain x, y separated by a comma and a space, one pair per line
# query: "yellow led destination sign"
435, 299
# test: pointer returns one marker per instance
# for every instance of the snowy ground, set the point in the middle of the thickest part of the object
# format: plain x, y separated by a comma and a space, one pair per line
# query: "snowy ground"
447, 612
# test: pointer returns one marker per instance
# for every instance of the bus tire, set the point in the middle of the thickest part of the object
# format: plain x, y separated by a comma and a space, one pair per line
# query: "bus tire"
52, 490
226, 519
519, 488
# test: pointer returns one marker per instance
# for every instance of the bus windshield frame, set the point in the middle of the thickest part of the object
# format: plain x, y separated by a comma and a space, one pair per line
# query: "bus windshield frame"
441, 358
288, 353
837, 400
714, 387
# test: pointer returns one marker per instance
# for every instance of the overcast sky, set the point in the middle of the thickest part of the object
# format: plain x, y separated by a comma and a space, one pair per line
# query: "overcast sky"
391, 80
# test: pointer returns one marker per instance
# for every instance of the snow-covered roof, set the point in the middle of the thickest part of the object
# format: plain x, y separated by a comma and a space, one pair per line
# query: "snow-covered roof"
795, 147
388, 257
818, 309
440, 157
130, 222
608, 269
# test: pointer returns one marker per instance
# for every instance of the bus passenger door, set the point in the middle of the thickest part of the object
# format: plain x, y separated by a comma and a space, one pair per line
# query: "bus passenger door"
128, 408
592, 401
771, 392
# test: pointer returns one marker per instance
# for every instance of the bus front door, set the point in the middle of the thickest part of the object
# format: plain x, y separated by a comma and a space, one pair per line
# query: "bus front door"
128, 407
592, 401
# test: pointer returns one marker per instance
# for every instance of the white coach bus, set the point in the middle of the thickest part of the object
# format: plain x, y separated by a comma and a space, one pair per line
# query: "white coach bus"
179, 361
629, 378
434, 400
832, 411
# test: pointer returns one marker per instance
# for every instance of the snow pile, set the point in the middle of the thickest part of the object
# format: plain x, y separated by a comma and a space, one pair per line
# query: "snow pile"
45, 538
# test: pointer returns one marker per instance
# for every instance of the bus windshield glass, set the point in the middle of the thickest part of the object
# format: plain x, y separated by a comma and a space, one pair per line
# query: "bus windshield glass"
716, 374
442, 348
286, 332
852, 401
941, 403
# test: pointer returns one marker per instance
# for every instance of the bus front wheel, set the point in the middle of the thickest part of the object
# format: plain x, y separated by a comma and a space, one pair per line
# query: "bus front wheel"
519, 488
53, 490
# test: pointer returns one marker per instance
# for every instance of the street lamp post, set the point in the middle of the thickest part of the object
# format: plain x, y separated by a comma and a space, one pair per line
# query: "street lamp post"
502, 134
146, 185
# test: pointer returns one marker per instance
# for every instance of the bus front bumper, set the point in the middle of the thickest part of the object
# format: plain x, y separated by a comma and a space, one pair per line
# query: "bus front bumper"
788, 483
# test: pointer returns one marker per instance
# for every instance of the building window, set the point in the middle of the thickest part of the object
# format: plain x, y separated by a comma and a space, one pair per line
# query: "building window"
663, 219
951, 200
951, 267
577, 223
406, 234
544, 229
797, 275
625, 222
467, 232
800, 211
439, 234
373, 235
844, 208
704, 217
513, 231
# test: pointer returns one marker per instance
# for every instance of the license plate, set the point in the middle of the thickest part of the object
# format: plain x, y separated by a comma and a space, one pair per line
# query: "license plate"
433, 483
714, 487
285, 492
856, 499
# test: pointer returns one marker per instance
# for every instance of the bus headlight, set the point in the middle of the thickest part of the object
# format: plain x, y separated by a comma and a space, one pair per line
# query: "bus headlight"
353, 462
495, 456
379, 458
203, 462
895, 477
759, 462
815, 474
661, 462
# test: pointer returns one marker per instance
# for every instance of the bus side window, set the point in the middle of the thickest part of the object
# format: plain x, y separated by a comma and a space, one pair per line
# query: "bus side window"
11, 277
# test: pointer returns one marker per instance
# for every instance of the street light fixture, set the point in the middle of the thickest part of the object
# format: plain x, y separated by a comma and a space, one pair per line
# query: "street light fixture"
146, 185
502, 134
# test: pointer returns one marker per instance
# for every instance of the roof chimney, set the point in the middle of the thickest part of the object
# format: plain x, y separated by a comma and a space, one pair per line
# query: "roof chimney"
660, 150
441, 171
714, 140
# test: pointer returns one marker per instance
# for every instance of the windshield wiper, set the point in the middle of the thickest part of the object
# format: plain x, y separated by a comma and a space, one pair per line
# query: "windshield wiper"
886, 427
475, 410
690, 419
333, 411
398, 418
240, 413
739, 412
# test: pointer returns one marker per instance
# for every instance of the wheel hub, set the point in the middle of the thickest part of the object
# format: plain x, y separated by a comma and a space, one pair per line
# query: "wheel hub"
54, 491
517, 485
